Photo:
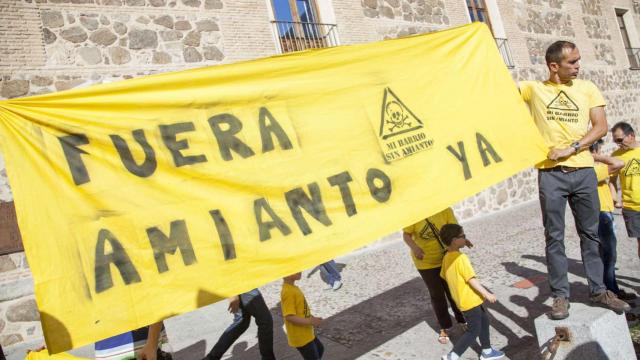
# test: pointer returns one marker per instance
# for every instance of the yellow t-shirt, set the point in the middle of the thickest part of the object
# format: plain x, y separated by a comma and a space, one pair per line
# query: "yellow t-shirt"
630, 178
457, 271
292, 302
426, 234
561, 113
604, 193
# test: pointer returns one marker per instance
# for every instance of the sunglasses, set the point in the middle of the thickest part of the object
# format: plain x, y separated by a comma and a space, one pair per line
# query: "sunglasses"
618, 140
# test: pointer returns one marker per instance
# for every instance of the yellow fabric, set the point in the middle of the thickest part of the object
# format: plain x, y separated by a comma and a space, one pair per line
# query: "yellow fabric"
457, 271
44, 355
604, 192
424, 236
561, 113
292, 302
630, 178
147, 198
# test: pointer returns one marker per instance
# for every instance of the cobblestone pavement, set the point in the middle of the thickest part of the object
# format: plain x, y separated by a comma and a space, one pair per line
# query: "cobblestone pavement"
383, 311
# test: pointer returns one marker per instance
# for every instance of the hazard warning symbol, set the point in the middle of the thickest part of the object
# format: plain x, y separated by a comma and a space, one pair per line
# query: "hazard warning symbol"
633, 169
396, 118
562, 102
401, 133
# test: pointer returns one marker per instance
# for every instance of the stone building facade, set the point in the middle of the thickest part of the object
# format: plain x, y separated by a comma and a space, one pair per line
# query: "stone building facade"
54, 45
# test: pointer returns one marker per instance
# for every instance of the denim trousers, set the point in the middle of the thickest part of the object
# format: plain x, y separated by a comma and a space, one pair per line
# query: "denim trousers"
579, 189
312, 351
478, 326
439, 293
256, 307
330, 271
607, 234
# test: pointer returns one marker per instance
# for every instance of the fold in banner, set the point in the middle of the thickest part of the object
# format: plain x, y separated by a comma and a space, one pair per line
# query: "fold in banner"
151, 197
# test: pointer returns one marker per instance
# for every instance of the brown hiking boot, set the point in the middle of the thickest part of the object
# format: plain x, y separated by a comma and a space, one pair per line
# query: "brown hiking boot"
610, 300
559, 309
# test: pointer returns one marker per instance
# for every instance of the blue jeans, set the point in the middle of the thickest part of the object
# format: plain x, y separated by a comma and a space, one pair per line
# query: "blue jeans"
607, 235
478, 328
312, 351
330, 270
251, 304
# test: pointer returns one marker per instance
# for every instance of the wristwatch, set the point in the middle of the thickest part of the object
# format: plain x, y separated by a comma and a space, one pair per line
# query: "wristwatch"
576, 146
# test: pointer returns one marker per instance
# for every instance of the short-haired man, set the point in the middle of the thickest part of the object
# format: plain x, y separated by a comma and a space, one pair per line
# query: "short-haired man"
562, 108
629, 152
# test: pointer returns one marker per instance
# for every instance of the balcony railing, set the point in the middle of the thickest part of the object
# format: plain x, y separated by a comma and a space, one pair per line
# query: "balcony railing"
296, 36
503, 47
634, 58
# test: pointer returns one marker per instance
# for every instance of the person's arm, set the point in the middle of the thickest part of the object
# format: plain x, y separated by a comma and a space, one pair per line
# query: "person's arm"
408, 239
613, 164
614, 192
475, 284
234, 304
613, 183
313, 321
598, 130
150, 350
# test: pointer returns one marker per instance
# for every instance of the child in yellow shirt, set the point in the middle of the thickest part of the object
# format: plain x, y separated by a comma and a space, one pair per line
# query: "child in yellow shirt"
468, 294
298, 320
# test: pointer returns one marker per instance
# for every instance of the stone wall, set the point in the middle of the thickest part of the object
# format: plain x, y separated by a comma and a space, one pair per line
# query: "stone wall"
19, 318
54, 45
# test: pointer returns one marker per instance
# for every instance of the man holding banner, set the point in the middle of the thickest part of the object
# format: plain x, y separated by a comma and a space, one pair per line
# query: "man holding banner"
563, 107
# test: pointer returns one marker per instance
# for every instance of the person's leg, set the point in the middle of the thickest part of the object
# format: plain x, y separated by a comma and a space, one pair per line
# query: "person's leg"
485, 340
553, 192
632, 223
608, 240
474, 323
310, 351
260, 312
585, 205
240, 324
436, 289
319, 346
330, 269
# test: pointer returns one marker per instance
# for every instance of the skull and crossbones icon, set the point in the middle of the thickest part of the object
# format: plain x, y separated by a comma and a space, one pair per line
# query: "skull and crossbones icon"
396, 116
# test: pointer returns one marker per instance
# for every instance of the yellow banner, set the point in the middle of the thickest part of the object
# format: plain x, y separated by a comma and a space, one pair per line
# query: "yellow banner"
147, 198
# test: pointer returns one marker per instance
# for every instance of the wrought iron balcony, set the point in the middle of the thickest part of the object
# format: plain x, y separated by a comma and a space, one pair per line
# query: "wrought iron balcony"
503, 47
296, 36
634, 58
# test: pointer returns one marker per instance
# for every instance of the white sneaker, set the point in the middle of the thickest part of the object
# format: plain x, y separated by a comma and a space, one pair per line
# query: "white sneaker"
337, 285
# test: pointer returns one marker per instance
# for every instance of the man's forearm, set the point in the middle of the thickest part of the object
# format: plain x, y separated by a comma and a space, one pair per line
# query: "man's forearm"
598, 127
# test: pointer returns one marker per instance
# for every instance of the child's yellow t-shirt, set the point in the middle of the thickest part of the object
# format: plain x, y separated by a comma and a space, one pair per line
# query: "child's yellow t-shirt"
292, 302
604, 192
457, 271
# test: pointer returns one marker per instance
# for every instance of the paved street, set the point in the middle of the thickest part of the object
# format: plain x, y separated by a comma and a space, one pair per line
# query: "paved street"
383, 311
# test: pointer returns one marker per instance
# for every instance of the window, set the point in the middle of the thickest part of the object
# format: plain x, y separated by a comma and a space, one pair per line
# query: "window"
633, 53
298, 27
478, 11
295, 11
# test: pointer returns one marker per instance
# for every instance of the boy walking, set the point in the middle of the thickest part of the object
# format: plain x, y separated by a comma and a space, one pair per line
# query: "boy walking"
298, 320
468, 294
